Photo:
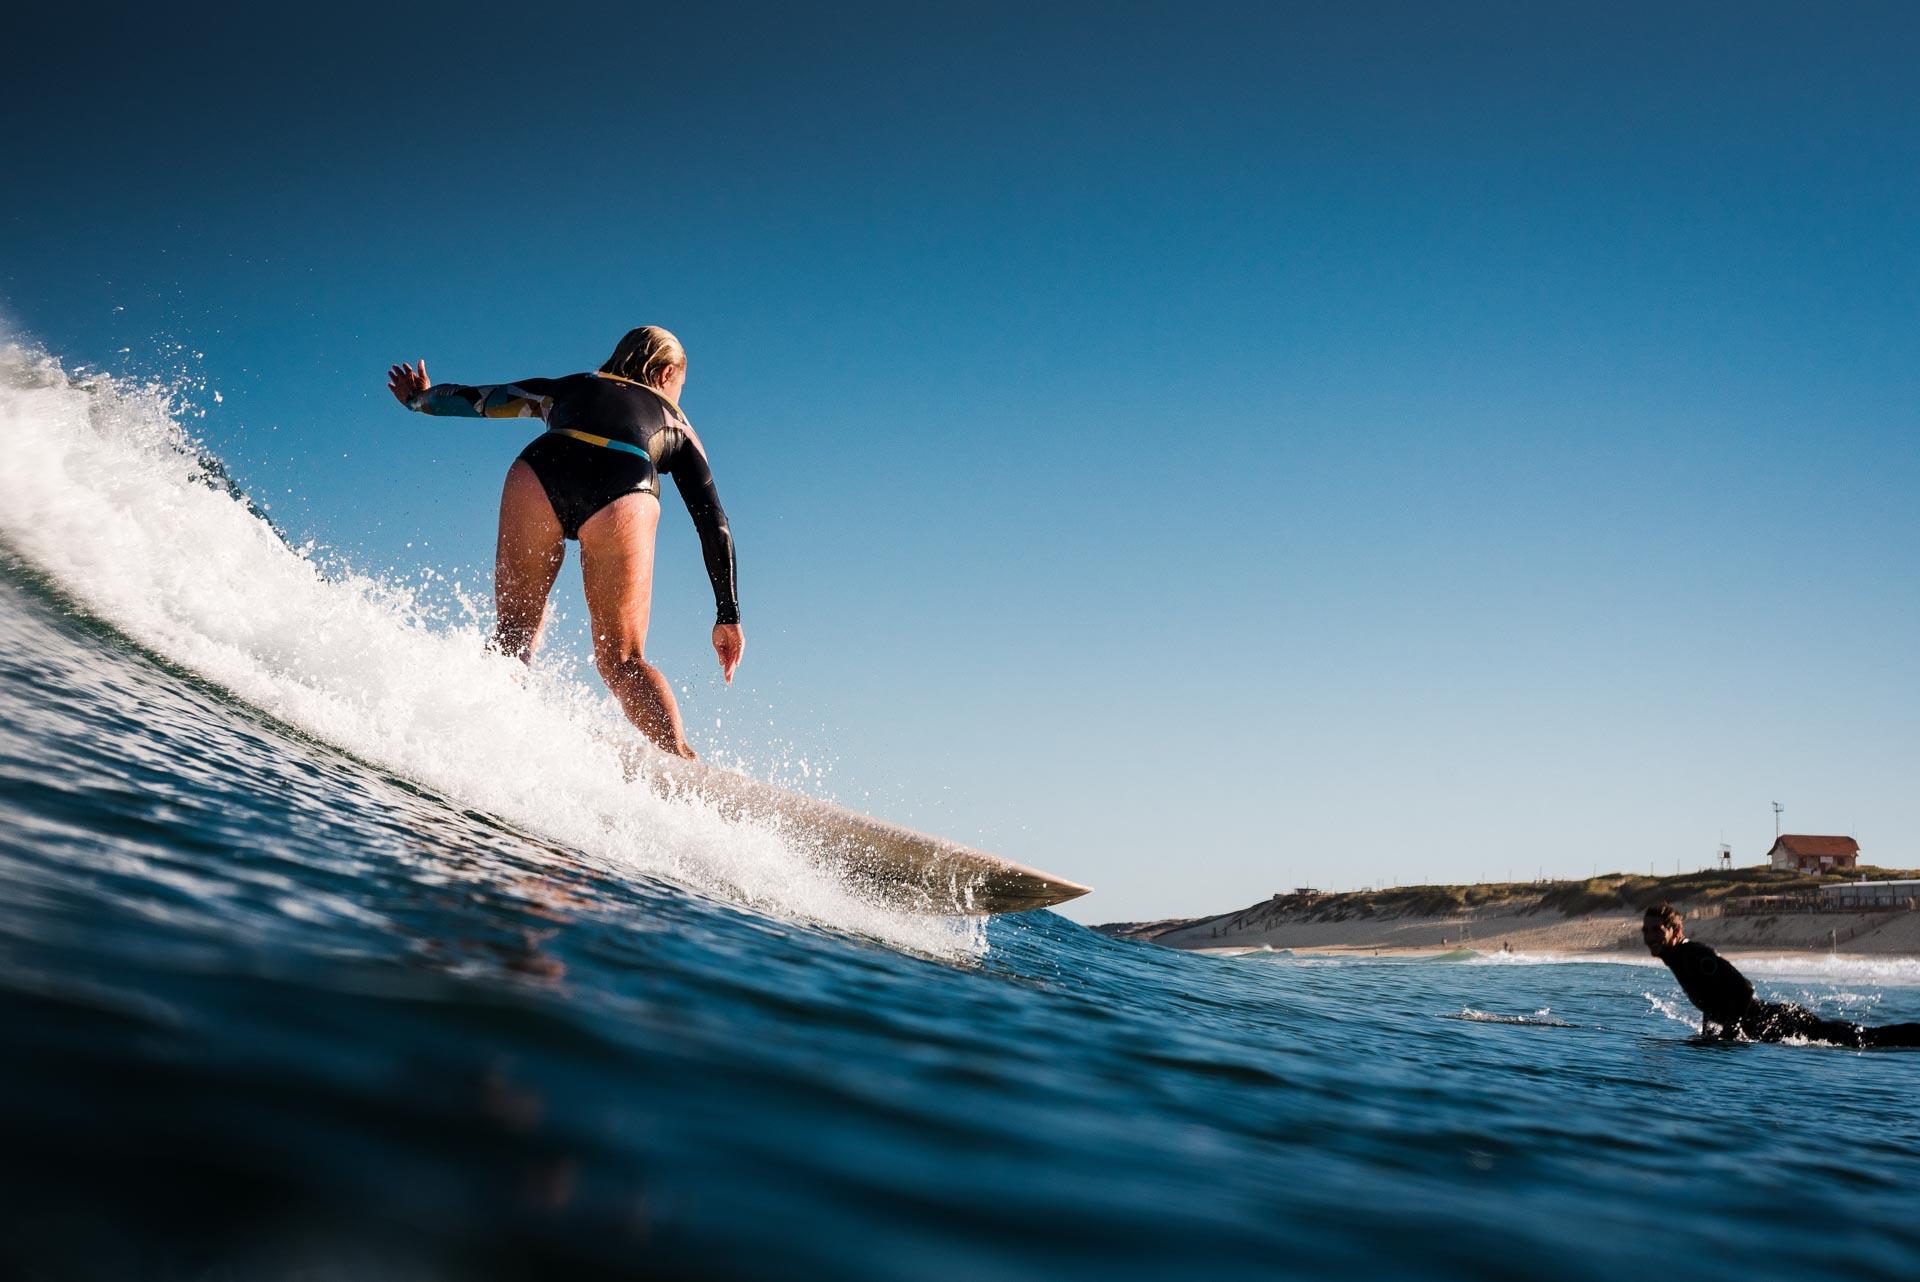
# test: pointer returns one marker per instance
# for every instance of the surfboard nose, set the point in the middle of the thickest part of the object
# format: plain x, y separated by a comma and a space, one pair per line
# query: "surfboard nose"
1013, 888
919, 872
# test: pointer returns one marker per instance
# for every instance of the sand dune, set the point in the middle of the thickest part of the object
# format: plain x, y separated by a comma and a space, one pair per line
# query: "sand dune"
1528, 927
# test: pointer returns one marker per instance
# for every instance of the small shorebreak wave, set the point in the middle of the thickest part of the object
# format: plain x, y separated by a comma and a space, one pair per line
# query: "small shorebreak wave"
1543, 1018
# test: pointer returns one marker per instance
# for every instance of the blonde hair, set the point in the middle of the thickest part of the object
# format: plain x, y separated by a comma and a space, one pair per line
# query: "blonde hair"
646, 355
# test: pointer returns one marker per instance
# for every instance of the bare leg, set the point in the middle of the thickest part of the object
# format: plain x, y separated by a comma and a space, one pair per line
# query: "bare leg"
526, 560
616, 564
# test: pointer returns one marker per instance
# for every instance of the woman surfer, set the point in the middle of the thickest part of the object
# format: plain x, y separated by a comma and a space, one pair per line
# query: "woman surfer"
594, 476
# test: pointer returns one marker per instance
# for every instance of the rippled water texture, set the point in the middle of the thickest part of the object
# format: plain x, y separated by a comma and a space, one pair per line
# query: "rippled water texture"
291, 987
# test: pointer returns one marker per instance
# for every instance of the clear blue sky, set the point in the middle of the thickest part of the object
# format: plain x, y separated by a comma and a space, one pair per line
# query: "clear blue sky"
1203, 449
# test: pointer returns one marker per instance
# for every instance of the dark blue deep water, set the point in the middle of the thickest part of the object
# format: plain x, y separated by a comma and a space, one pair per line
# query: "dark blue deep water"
268, 1012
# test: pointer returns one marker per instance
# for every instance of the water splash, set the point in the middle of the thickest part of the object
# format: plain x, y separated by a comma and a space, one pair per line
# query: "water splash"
1674, 1012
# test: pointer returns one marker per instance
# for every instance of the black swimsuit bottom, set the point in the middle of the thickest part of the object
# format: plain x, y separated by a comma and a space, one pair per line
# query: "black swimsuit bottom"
580, 479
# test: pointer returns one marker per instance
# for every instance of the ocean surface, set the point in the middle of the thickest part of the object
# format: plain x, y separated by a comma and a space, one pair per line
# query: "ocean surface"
332, 947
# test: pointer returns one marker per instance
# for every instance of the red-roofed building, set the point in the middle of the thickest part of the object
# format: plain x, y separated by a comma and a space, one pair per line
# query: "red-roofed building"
1799, 853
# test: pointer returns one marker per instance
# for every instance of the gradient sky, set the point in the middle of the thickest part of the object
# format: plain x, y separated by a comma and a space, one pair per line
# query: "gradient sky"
1200, 449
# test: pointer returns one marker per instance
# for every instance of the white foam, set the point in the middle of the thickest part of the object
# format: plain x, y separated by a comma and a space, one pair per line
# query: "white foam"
1833, 968
105, 492
1811, 967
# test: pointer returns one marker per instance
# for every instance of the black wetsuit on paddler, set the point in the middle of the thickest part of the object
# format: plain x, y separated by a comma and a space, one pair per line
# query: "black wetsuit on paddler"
1725, 999
606, 437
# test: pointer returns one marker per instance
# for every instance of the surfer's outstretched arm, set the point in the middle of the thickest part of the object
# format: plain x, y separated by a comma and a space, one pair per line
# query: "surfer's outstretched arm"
528, 398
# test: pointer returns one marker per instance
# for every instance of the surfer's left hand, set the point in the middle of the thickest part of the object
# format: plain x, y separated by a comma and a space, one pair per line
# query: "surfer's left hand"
728, 642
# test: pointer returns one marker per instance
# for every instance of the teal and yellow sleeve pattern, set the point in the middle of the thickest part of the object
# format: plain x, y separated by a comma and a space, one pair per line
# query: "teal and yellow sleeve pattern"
529, 398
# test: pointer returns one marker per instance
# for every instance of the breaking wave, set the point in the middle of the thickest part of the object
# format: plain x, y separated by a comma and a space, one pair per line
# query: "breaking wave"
113, 500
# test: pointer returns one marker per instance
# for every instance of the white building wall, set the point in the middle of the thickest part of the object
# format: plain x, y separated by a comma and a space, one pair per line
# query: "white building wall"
1782, 859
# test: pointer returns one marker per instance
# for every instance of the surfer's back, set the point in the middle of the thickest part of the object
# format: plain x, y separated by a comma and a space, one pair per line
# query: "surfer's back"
616, 408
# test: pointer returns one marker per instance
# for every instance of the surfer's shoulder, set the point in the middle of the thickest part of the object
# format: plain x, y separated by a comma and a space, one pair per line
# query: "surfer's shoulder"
648, 400
1689, 955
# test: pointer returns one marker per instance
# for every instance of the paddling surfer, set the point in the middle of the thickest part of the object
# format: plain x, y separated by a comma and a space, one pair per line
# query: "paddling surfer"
594, 476
1725, 997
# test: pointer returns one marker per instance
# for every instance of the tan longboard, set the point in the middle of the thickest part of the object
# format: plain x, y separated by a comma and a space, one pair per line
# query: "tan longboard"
928, 874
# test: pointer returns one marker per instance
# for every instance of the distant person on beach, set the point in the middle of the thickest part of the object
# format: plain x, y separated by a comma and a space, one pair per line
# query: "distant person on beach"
594, 476
1725, 997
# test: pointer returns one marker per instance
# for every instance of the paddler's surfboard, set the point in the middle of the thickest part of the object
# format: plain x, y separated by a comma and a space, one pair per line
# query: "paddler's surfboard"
929, 874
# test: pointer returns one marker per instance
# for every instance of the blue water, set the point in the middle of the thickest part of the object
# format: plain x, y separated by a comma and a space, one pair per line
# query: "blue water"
272, 1011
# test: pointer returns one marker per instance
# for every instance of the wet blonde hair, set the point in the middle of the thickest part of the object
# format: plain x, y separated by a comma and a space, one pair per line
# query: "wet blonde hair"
646, 355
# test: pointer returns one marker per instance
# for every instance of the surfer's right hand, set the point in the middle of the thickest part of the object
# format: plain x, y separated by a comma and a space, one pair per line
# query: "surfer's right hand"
728, 643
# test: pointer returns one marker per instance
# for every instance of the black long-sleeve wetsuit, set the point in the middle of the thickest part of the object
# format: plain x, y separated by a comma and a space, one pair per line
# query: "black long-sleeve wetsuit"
606, 437
1725, 999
